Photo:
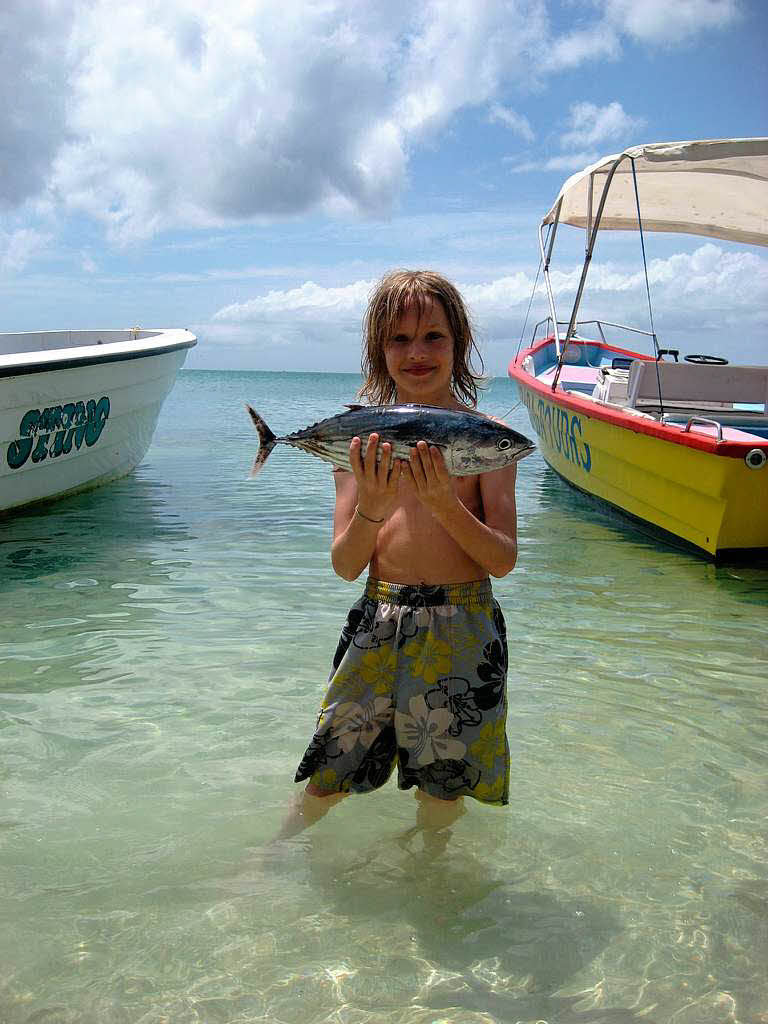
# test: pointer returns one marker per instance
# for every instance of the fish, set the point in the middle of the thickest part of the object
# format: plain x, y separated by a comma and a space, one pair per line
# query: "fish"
469, 441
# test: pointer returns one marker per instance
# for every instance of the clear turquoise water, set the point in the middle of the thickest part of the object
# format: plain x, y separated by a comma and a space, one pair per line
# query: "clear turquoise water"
163, 646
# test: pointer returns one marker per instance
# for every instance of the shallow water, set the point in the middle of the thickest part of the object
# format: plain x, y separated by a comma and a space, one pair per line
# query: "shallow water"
163, 646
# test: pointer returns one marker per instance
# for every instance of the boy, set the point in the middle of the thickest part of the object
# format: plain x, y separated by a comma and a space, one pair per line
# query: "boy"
419, 675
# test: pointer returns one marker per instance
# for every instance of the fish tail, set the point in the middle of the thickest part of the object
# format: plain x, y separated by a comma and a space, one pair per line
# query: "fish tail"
267, 441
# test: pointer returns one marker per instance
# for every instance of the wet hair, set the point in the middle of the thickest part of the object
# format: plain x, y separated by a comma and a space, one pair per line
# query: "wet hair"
397, 292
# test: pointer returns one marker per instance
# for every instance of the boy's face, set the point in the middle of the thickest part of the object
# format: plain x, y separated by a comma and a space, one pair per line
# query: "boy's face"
419, 355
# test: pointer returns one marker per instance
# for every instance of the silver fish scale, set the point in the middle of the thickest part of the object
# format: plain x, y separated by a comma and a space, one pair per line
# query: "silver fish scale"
470, 442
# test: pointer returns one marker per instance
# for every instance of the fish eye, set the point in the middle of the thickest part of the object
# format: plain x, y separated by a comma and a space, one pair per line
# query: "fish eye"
503, 443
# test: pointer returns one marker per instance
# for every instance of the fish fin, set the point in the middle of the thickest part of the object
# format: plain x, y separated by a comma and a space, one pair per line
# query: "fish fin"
267, 441
353, 408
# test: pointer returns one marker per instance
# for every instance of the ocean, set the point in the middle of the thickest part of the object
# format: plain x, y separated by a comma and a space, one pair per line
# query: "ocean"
164, 644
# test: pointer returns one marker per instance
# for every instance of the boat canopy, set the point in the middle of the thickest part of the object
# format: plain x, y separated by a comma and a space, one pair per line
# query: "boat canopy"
715, 187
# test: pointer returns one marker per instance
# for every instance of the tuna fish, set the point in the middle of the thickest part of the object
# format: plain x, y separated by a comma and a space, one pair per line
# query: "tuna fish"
470, 442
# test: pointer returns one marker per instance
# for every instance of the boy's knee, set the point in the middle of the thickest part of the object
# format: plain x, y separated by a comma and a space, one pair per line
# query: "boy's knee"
436, 813
328, 797
425, 797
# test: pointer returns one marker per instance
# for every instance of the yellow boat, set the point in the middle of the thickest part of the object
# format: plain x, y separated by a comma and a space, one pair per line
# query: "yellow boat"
679, 446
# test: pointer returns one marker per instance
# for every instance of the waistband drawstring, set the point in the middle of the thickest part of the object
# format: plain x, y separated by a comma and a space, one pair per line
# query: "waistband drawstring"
430, 595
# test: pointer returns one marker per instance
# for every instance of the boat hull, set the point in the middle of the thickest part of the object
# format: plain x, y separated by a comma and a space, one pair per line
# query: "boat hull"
86, 421
713, 502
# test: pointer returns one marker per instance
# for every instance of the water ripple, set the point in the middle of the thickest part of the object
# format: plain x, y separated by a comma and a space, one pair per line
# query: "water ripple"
164, 644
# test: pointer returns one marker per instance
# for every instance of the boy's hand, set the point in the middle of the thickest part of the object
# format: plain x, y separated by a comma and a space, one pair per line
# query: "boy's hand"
431, 479
377, 482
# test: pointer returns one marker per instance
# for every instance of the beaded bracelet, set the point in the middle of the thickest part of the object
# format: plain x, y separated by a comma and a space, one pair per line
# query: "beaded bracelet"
365, 517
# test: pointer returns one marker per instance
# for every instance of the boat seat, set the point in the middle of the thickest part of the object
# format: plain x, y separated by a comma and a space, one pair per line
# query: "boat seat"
611, 386
696, 386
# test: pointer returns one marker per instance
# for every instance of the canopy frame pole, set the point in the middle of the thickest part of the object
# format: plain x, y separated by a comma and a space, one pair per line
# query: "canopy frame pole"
592, 238
545, 259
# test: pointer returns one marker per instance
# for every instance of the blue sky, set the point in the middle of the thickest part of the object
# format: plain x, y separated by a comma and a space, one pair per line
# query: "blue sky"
248, 170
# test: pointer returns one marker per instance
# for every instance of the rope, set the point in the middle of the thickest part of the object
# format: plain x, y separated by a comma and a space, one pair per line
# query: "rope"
530, 303
648, 289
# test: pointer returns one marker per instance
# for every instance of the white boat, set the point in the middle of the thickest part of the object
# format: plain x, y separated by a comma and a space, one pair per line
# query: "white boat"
79, 408
679, 446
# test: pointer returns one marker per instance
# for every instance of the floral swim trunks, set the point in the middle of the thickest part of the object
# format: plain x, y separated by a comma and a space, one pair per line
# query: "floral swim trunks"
418, 679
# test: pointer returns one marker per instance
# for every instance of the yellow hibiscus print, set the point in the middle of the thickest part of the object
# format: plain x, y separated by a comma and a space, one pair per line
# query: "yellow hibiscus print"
350, 685
431, 658
464, 643
490, 743
377, 669
490, 794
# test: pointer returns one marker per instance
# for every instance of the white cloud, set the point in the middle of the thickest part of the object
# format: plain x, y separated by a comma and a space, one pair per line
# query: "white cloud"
709, 273
654, 22
517, 123
595, 43
147, 116
726, 286
715, 277
309, 300
659, 21
590, 124
711, 300
567, 162
231, 113
719, 274
33, 90
18, 247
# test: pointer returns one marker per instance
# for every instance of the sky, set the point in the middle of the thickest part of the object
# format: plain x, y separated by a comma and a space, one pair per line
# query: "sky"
249, 169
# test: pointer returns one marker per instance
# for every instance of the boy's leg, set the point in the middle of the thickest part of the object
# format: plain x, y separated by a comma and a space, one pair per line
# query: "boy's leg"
353, 748
451, 705
312, 805
434, 813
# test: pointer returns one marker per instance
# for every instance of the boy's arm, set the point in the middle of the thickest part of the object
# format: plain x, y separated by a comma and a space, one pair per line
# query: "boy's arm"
364, 500
492, 543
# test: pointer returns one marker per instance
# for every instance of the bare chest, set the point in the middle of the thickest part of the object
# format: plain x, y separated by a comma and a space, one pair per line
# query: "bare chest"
467, 489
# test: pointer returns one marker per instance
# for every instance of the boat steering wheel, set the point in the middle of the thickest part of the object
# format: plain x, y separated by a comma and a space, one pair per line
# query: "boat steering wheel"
706, 360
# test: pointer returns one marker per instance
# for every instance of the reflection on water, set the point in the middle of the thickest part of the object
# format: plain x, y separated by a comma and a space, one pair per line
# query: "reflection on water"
480, 940
632, 533
71, 574
163, 646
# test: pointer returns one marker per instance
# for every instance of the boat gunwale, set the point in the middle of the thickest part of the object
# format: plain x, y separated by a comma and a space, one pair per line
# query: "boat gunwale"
21, 364
619, 417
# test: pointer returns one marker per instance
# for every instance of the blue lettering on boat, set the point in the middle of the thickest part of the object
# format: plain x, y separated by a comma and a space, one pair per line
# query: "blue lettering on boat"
52, 432
559, 429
